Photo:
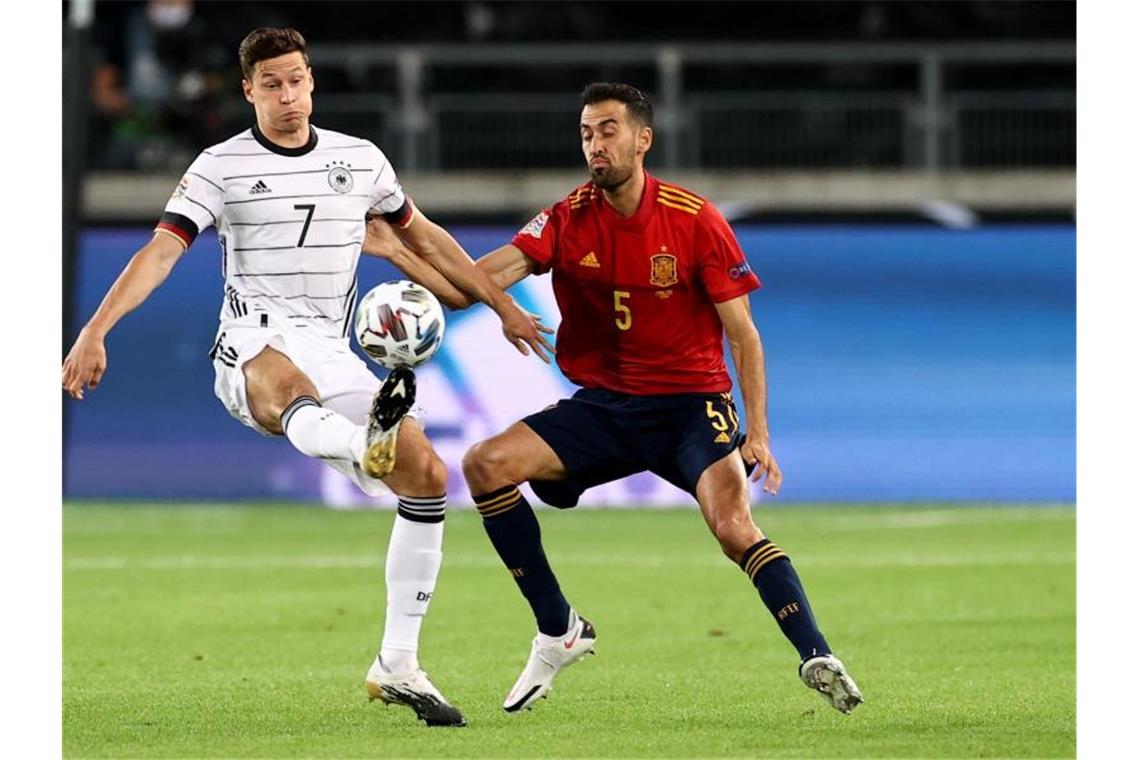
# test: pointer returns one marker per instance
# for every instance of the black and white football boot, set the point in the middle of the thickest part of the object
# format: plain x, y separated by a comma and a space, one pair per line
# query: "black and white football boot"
414, 690
391, 403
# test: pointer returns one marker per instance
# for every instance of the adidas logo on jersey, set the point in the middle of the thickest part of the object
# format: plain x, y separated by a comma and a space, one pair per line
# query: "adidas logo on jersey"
589, 260
260, 188
722, 438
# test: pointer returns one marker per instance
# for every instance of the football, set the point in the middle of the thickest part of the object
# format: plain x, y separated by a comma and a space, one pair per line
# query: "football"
399, 324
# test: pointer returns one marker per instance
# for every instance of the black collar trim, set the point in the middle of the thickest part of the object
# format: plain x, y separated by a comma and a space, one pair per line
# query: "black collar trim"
280, 150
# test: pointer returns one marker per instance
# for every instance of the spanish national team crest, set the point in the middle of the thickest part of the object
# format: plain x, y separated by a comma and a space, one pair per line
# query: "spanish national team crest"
663, 270
340, 178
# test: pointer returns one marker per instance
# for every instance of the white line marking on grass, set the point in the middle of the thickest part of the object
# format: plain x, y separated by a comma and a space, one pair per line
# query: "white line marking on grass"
941, 518
267, 562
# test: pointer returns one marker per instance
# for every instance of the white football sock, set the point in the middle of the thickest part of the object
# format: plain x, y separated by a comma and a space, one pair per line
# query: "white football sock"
322, 433
410, 573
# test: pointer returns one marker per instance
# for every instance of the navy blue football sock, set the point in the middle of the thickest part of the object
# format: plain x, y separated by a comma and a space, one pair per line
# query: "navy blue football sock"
513, 529
781, 591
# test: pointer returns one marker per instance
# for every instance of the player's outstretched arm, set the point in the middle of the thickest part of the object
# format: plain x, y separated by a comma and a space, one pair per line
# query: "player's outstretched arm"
505, 266
748, 356
435, 244
381, 241
148, 268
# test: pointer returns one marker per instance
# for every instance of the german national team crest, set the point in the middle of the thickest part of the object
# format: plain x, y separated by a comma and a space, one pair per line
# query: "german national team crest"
340, 178
663, 270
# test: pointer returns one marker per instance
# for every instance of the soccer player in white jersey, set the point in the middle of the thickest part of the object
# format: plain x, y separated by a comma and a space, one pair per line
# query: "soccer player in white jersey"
289, 201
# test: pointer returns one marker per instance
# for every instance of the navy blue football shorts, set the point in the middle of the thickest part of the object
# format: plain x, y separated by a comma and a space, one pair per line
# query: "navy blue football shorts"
601, 436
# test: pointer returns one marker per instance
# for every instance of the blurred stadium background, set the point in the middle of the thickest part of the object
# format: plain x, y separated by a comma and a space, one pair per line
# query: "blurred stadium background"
901, 174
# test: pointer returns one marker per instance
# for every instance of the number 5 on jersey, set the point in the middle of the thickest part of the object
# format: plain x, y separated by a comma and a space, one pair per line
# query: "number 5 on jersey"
624, 318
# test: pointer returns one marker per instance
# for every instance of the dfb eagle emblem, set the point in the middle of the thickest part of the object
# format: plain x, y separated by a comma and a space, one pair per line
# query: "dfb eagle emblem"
663, 270
340, 179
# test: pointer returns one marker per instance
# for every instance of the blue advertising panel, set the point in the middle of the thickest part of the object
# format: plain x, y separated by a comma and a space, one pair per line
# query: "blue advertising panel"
905, 363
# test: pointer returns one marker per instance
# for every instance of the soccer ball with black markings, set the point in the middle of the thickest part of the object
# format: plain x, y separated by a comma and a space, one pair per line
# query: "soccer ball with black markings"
399, 324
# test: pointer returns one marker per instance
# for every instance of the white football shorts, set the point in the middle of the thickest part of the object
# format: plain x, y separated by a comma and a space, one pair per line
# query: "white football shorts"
344, 382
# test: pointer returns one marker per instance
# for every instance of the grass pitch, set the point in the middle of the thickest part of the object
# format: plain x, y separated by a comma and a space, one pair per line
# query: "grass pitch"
246, 632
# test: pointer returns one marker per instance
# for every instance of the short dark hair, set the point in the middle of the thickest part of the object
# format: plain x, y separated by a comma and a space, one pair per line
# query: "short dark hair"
268, 42
635, 101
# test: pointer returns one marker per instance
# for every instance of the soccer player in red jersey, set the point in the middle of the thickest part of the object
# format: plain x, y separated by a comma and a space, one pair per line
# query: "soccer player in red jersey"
649, 278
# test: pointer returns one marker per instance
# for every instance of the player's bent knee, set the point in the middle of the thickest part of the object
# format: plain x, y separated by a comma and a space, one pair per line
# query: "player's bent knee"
286, 393
267, 408
735, 534
268, 403
483, 466
474, 464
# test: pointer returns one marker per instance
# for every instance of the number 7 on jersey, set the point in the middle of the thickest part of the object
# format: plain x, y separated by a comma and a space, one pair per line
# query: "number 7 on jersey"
305, 230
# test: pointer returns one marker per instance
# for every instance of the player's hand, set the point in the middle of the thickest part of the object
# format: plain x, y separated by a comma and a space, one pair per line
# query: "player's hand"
522, 329
380, 239
757, 450
542, 327
85, 364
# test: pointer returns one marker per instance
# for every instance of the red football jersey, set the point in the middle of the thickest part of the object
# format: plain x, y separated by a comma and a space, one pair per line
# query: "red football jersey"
637, 294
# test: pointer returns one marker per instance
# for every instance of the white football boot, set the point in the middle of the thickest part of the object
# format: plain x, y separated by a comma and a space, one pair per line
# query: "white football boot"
392, 401
827, 675
414, 690
547, 661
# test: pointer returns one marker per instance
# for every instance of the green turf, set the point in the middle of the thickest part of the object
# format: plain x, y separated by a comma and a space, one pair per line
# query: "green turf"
246, 632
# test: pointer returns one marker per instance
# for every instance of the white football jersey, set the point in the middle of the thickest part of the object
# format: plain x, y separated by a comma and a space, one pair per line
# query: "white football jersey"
290, 222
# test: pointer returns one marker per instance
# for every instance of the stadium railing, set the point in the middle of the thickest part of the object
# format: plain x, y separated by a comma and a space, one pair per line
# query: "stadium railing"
491, 128
931, 124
